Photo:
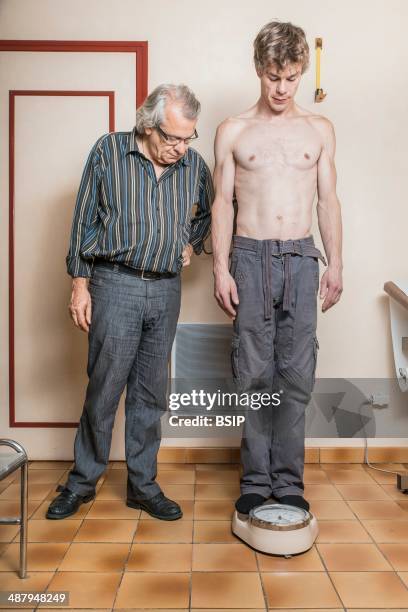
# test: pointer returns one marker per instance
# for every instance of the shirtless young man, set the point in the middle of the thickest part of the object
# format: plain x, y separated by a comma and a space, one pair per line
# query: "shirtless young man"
275, 156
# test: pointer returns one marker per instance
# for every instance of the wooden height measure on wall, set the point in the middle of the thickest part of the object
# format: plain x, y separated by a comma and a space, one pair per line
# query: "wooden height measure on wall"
319, 93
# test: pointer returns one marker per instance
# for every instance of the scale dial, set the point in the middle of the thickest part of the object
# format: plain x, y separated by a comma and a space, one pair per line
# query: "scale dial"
279, 517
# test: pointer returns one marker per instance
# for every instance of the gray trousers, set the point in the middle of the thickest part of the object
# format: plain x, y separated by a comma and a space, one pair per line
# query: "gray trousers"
130, 338
274, 349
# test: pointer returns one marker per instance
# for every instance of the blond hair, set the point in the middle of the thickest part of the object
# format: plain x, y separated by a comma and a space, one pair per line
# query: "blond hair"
280, 44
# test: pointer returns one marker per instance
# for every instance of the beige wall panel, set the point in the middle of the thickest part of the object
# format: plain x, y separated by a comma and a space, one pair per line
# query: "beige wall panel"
50, 361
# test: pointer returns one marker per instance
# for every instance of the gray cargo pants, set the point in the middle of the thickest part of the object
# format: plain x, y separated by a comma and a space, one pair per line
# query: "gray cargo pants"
274, 349
132, 330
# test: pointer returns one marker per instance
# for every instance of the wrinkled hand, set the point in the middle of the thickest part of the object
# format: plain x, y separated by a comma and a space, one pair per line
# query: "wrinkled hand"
331, 287
187, 253
80, 306
226, 294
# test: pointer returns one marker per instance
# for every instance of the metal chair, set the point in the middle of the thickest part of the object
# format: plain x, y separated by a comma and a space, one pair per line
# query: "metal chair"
9, 463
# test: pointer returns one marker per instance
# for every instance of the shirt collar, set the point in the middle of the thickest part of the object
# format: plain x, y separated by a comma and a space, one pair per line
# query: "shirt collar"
132, 147
132, 143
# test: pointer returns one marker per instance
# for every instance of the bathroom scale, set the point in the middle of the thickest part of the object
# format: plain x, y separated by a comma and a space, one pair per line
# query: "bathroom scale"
277, 529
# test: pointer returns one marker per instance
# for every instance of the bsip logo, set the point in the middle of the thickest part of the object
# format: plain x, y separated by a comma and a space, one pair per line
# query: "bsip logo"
200, 420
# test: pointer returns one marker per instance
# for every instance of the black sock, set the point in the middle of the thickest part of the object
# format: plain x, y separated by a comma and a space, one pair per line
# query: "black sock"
248, 501
294, 500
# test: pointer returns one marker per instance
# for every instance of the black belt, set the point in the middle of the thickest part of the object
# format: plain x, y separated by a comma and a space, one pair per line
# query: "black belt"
145, 274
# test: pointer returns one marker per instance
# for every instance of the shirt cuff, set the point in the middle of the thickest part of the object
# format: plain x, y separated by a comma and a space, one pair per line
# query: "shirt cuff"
197, 244
77, 266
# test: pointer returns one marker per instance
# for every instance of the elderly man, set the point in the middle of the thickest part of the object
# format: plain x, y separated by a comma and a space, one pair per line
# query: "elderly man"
275, 156
132, 232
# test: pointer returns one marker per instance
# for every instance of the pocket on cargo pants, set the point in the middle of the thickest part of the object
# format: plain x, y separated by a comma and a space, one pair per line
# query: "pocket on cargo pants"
235, 356
315, 353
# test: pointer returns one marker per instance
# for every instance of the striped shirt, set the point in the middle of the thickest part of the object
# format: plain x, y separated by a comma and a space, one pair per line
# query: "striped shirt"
125, 214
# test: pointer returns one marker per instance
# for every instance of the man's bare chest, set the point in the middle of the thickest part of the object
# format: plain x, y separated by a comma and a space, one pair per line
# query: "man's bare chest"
277, 149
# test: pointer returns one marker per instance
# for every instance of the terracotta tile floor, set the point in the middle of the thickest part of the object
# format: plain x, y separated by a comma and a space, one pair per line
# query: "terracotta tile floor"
110, 557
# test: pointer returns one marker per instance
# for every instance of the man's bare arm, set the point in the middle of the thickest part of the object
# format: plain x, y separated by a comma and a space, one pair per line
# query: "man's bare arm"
225, 289
329, 217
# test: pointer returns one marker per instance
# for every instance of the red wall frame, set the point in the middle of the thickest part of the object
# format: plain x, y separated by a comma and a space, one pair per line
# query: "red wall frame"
140, 50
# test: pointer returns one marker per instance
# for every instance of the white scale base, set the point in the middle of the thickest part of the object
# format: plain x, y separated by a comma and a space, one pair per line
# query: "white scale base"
275, 542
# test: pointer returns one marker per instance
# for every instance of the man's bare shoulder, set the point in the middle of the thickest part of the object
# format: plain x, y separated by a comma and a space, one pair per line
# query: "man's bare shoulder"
322, 126
320, 123
232, 125
228, 132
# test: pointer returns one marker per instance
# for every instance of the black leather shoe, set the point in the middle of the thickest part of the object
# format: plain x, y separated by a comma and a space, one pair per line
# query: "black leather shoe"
66, 504
159, 506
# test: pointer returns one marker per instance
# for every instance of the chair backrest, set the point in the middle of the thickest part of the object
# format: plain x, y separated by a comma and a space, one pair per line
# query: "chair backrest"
11, 461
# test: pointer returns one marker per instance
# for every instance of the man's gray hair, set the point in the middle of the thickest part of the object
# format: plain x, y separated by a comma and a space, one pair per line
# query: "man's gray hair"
151, 112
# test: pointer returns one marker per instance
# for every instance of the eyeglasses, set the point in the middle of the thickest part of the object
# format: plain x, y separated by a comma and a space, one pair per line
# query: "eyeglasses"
175, 140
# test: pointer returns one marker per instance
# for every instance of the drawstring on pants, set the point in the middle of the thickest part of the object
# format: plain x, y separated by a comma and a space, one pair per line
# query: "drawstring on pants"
266, 278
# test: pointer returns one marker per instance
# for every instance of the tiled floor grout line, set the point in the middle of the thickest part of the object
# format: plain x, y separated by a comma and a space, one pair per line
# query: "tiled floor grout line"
70, 543
57, 482
265, 596
125, 565
380, 551
328, 575
373, 541
190, 593
357, 518
401, 580
45, 588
